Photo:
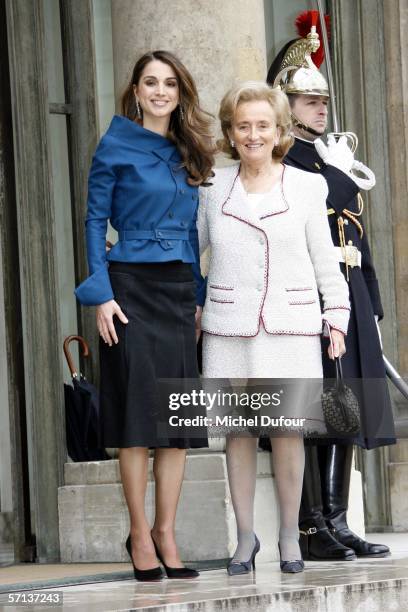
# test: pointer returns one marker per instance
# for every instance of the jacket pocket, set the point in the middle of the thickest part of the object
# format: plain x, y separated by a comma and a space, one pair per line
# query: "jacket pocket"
221, 287
302, 303
301, 296
220, 297
221, 300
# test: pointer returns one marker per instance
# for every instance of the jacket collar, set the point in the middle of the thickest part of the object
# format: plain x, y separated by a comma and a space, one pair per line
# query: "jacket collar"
142, 139
304, 155
236, 202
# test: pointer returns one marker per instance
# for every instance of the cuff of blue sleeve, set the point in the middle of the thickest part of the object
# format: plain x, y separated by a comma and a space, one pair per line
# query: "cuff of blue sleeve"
96, 289
201, 293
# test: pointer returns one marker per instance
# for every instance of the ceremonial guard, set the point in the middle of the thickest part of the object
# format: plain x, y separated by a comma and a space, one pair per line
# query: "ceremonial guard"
325, 534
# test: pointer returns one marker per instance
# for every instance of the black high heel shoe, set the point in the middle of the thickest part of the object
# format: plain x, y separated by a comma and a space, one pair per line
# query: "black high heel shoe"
175, 572
235, 568
144, 575
290, 567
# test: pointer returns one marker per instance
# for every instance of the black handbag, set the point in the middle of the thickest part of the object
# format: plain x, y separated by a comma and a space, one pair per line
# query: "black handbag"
340, 406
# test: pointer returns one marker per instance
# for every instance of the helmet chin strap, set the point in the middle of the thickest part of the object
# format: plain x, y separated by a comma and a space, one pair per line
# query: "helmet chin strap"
304, 127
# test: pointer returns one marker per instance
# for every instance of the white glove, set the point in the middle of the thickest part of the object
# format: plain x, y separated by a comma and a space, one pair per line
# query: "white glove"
337, 154
363, 183
378, 330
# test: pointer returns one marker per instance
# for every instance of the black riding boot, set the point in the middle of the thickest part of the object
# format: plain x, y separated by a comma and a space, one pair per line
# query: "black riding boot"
335, 479
316, 541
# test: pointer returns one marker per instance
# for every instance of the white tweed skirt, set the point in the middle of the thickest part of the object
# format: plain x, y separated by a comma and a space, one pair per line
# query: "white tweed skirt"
263, 356
270, 357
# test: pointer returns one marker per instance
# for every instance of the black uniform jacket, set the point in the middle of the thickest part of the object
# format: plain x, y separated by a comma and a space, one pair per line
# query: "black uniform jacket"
363, 359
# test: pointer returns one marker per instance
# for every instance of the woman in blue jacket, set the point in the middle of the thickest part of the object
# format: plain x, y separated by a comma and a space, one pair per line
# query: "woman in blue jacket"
144, 178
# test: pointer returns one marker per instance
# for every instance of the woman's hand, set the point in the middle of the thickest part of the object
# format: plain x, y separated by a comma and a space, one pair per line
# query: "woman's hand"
199, 312
339, 347
104, 320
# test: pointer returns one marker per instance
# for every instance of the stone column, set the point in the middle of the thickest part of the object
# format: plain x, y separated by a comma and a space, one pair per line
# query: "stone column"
13, 491
370, 47
396, 75
219, 42
44, 398
396, 72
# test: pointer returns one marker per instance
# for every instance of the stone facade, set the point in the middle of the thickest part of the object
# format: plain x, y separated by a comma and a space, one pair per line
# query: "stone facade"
219, 42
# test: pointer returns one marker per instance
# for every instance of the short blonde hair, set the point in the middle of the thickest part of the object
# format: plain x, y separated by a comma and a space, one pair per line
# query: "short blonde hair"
249, 91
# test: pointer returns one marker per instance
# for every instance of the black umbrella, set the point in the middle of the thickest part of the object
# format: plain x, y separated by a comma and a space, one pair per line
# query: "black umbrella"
81, 412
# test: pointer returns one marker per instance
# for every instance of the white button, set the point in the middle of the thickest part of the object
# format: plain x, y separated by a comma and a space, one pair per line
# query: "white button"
261, 264
259, 287
261, 241
345, 221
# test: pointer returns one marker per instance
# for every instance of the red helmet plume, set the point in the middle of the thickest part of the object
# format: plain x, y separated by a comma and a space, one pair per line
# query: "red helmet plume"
304, 22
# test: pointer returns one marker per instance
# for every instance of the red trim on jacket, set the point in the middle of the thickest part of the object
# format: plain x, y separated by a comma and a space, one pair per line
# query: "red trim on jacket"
266, 272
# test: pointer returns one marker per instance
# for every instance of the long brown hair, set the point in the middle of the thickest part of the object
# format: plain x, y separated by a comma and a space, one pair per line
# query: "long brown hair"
192, 132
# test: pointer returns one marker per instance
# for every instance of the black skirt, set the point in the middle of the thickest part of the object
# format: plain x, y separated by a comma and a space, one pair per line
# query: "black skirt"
157, 343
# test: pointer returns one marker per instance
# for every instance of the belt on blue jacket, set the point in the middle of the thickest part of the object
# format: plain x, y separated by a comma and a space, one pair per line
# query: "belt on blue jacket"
158, 234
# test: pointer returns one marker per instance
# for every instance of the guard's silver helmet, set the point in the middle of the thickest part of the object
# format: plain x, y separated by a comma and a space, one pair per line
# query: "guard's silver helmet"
298, 74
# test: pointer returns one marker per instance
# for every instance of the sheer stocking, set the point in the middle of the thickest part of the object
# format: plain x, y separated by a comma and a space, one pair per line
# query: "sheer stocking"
288, 456
288, 464
241, 454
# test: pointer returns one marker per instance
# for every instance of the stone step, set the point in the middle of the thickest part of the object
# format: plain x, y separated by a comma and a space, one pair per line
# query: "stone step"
398, 475
94, 524
365, 585
6, 538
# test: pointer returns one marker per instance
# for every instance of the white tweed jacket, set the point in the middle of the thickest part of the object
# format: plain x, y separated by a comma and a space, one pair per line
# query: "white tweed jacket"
269, 263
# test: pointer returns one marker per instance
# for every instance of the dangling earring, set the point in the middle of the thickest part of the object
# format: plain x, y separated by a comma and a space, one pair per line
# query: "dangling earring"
232, 143
138, 111
181, 112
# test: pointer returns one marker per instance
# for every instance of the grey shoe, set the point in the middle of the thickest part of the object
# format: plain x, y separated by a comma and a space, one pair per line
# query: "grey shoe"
235, 568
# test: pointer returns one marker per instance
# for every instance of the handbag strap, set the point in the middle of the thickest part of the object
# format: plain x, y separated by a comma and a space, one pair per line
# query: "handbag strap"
339, 368
337, 360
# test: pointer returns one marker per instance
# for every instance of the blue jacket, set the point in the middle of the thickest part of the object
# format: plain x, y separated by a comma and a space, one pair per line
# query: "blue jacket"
137, 183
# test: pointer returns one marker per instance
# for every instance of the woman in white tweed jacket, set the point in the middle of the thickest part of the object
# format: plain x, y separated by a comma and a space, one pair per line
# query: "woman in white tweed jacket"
271, 253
